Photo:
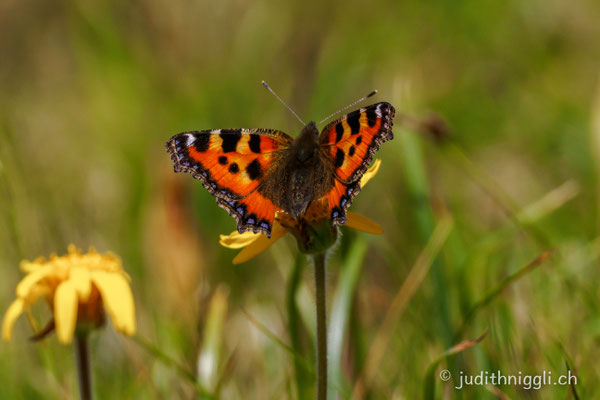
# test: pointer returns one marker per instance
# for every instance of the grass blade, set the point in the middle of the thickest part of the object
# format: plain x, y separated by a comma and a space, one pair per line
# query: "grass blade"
413, 281
340, 313
418, 188
429, 388
170, 362
297, 331
261, 327
209, 355
500, 288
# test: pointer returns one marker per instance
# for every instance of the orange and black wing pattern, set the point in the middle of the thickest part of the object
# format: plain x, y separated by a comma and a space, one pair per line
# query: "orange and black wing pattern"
231, 164
351, 143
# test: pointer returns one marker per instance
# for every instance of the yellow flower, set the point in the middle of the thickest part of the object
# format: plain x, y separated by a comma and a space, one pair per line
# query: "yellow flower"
78, 288
255, 243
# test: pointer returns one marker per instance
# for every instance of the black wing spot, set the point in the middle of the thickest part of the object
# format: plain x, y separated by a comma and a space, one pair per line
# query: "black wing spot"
201, 142
234, 168
339, 158
254, 143
223, 160
254, 170
351, 151
359, 140
371, 117
339, 132
354, 122
230, 138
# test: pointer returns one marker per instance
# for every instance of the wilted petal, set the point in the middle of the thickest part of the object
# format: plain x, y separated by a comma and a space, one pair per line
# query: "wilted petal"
117, 299
370, 173
260, 244
65, 311
236, 240
13, 312
80, 278
362, 224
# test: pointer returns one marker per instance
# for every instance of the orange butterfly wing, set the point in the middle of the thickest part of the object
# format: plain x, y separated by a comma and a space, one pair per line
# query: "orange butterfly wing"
231, 164
351, 142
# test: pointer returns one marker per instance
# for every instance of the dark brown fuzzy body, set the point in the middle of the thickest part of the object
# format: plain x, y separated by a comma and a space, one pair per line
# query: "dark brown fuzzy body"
303, 171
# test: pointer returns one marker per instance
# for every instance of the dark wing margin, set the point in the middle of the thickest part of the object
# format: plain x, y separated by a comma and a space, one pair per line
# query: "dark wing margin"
351, 143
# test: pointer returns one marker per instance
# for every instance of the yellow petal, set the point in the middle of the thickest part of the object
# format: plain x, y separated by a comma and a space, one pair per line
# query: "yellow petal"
236, 240
36, 292
24, 287
363, 224
260, 244
30, 266
370, 173
80, 278
13, 312
65, 311
72, 249
117, 299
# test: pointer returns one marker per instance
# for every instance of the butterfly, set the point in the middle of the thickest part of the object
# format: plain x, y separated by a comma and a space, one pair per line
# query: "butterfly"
255, 173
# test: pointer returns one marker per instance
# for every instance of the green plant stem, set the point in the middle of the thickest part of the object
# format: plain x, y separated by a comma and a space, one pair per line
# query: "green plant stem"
82, 357
319, 260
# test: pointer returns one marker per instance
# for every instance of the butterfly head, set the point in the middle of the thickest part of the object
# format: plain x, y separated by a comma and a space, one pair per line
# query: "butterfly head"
306, 143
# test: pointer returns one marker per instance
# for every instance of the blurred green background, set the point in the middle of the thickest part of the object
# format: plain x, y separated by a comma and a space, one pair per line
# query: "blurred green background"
91, 91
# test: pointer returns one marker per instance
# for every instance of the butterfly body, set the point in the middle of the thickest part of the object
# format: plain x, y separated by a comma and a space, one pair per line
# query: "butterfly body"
300, 175
255, 173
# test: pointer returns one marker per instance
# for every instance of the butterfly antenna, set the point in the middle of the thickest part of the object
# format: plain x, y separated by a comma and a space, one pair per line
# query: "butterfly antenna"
373, 93
282, 102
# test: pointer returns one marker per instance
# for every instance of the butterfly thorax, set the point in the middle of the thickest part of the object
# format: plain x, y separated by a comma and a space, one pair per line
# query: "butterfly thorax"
302, 171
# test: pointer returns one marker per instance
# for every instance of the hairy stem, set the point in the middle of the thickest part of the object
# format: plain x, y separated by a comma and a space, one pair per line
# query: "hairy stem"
319, 260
